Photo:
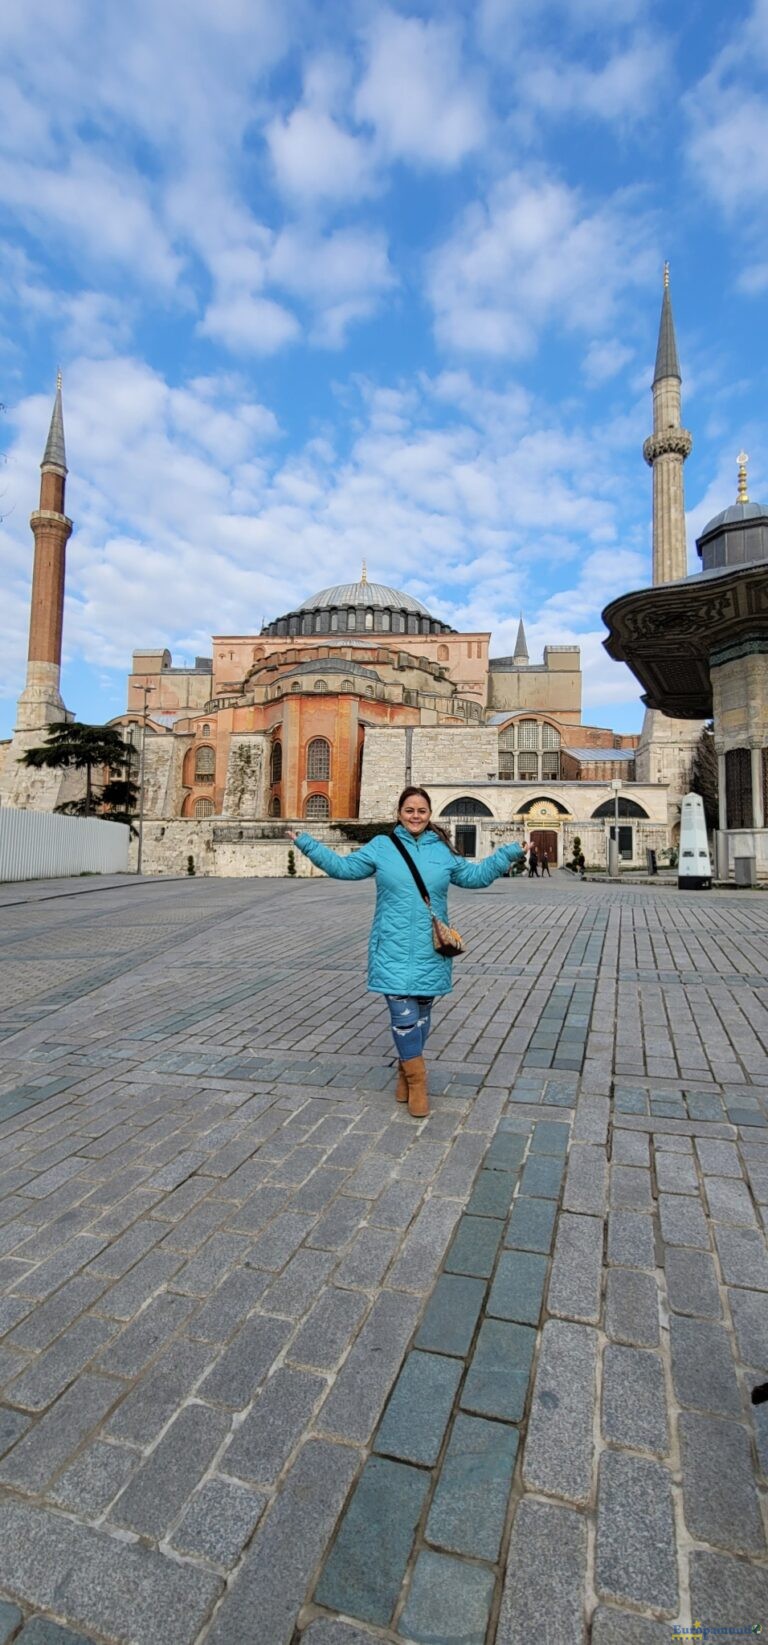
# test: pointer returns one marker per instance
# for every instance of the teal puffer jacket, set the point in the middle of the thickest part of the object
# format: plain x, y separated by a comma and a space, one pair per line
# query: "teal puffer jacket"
401, 956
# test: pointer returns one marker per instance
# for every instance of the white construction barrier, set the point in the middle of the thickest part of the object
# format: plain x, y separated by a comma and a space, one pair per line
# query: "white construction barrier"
39, 845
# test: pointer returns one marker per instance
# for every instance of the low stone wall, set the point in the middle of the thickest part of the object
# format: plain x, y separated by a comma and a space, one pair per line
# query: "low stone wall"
231, 850
227, 850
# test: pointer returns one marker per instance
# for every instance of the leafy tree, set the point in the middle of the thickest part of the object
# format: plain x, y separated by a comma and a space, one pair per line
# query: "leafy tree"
77, 747
703, 775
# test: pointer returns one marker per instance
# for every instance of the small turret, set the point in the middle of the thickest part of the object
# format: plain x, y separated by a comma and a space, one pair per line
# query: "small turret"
520, 657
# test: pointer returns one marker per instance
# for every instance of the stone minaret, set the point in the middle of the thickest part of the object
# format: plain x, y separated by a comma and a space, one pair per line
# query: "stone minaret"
666, 746
40, 702
665, 452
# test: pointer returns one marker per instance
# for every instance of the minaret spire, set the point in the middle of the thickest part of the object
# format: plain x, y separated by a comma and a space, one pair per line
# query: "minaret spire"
40, 703
55, 455
667, 359
521, 646
666, 451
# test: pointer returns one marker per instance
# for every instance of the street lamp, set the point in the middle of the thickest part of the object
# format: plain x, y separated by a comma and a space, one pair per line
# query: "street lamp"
147, 691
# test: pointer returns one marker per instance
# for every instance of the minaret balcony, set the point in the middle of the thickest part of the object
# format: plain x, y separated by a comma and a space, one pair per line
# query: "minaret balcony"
671, 442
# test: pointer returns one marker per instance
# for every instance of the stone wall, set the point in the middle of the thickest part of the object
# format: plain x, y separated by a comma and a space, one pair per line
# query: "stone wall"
246, 793
222, 849
163, 774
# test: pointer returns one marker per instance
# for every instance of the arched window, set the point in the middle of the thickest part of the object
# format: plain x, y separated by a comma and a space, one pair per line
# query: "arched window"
317, 807
347, 685
442, 653
386, 622
550, 736
205, 765
369, 620
528, 734
296, 685
351, 619
627, 808
306, 624
206, 731
466, 807
321, 685
274, 807
204, 808
318, 761
276, 763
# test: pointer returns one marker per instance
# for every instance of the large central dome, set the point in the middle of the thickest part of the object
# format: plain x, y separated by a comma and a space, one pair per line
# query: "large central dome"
363, 594
357, 608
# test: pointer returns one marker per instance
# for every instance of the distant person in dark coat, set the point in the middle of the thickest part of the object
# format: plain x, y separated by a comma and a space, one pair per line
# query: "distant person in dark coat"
533, 863
582, 862
545, 865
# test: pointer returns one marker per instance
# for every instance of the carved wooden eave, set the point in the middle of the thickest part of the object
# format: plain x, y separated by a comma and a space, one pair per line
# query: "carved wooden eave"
666, 634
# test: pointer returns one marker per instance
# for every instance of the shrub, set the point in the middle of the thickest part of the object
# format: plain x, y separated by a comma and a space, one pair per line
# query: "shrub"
292, 864
190, 864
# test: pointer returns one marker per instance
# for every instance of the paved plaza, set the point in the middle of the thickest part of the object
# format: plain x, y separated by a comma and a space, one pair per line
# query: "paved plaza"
280, 1365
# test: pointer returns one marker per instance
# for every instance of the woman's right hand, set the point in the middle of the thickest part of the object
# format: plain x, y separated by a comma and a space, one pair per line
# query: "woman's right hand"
292, 833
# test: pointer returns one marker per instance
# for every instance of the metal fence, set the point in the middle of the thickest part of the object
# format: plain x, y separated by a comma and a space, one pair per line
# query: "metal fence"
40, 845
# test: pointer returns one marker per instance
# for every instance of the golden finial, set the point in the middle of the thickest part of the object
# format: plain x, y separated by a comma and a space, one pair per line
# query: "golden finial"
666, 276
58, 381
364, 574
742, 495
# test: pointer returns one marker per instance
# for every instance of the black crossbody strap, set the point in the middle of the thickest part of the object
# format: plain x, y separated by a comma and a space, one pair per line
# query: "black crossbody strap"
398, 844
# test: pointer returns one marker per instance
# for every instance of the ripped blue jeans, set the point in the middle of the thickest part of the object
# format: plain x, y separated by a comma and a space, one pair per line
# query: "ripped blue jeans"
410, 1018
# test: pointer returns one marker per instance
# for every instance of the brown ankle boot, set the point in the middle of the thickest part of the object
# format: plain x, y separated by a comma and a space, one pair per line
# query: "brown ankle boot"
416, 1075
401, 1089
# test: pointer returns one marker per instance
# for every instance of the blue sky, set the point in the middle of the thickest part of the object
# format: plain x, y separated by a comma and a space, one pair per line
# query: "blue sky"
343, 281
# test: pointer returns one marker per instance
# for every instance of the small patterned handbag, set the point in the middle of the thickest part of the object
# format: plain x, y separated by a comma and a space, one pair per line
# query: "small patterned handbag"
445, 937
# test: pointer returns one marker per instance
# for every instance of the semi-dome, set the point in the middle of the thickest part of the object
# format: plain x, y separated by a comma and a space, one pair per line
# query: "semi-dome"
358, 608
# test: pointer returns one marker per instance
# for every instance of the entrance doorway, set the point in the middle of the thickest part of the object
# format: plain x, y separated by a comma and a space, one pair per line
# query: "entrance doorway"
545, 840
466, 839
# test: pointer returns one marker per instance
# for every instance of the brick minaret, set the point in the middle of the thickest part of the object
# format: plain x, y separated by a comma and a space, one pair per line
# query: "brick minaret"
40, 702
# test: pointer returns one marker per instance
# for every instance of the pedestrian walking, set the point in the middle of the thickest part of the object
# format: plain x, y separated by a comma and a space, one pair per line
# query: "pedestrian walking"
404, 963
533, 863
545, 865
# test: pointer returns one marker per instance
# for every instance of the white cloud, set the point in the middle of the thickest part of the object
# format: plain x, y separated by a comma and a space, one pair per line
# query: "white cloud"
622, 90
604, 360
243, 321
316, 160
424, 104
103, 213
533, 254
341, 275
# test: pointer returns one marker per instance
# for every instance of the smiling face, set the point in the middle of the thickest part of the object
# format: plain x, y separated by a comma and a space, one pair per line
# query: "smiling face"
414, 814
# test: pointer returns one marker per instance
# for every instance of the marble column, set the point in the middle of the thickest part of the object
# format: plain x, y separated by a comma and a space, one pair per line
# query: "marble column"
758, 808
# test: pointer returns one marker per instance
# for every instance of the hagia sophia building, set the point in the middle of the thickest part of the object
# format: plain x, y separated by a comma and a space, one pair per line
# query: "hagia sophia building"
334, 706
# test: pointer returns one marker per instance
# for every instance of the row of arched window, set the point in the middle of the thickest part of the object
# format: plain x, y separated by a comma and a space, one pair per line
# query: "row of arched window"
355, 620
318, 761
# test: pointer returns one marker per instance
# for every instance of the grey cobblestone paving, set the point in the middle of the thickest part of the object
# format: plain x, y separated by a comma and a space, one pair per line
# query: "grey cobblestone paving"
251, 1315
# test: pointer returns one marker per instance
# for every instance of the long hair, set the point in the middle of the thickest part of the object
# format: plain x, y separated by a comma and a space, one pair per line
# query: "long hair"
442, 834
